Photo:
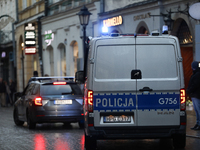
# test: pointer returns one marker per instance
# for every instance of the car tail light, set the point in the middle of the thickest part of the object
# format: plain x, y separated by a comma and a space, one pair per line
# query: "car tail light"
59, 83
38, 101
182, 99
90, 100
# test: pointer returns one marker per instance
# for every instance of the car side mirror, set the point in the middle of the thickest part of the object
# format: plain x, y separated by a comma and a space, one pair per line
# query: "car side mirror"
79, 77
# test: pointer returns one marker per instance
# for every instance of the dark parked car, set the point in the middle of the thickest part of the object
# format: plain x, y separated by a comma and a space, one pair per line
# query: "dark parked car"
49, 100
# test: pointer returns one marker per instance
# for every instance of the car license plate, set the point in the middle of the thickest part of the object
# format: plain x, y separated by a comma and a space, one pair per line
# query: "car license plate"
63, 102
117, 119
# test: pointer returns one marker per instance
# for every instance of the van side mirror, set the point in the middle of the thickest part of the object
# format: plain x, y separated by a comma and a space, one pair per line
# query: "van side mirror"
79, 77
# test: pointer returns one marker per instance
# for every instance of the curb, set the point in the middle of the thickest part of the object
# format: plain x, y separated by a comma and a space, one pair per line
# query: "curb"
192, 136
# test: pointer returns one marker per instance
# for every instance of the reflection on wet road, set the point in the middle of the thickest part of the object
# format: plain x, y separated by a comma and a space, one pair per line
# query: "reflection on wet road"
56, 136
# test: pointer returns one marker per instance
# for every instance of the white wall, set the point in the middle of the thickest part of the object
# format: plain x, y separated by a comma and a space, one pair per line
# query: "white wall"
66, 26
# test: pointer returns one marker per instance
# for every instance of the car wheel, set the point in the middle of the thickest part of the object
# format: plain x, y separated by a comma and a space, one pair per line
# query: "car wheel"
179, 141
31, 124
81, 124
16, 118
90, 143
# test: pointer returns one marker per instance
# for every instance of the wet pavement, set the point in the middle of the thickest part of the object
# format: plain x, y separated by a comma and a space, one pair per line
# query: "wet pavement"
191, 121
59, 137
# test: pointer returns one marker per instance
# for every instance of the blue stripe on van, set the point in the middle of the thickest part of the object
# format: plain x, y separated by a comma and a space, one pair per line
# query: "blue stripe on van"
124, 102
115, 102
159, 101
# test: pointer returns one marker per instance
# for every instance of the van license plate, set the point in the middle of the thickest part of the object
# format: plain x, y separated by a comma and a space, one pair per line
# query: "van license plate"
63, 102
117, 119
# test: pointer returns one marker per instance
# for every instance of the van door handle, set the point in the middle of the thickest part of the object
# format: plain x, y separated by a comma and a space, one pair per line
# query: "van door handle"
145, 89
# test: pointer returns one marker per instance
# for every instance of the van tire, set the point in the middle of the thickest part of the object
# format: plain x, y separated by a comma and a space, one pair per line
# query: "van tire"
90, 143
179, 141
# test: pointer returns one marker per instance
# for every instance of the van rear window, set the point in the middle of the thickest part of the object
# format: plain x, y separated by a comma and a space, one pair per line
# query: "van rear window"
157, 61
117, 62
114, 62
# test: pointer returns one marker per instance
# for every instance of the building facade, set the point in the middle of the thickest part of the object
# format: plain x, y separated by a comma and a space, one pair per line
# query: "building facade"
59, 35
7, 44
28, 38
62, 36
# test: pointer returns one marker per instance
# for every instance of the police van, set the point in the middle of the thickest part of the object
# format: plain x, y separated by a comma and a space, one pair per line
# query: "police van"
134, 89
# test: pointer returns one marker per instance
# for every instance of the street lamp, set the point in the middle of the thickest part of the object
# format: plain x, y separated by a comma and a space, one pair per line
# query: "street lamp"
22, 58
84, 16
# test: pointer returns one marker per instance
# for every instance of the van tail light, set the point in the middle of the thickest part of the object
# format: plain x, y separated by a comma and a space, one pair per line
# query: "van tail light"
90, 100
38, 101
182, 99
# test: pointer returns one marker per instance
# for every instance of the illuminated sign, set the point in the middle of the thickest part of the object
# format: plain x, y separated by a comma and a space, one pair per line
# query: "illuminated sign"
30, 35
30, 50
49, 37
29, 26
30, 43
115, 21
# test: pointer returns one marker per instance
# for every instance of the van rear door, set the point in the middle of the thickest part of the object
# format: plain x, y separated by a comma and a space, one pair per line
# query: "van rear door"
158, 92
114, 91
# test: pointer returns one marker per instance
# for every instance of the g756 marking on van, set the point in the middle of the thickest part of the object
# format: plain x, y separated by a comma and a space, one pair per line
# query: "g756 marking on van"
166, 101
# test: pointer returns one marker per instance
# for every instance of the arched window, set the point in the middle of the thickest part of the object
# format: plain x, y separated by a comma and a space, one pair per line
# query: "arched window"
115, 31
63, 59
142, 30
51, 60
184, 34
75, 56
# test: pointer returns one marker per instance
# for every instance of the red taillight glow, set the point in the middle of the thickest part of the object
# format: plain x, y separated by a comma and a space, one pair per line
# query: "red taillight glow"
59, 83
182, 99
38, 101
90, 100
90, 125
183, 123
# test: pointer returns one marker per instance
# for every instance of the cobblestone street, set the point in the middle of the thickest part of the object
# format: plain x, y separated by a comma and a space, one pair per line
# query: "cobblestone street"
58, 137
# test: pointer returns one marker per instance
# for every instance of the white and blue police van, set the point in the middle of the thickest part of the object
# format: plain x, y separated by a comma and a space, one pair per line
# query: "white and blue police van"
134, 89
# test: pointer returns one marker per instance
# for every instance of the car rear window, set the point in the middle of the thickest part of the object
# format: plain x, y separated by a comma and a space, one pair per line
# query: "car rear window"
68, 89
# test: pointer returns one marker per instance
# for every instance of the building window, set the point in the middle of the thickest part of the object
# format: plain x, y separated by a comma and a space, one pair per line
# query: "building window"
142, 30
66, 5
115, 31
75, 56
24, 4
53, 10
184, 34
63, 60
51, 62
33, 2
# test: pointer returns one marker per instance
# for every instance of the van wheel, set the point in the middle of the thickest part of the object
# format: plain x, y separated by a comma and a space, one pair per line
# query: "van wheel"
90, 143
16, 118
31, 124
179, 141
